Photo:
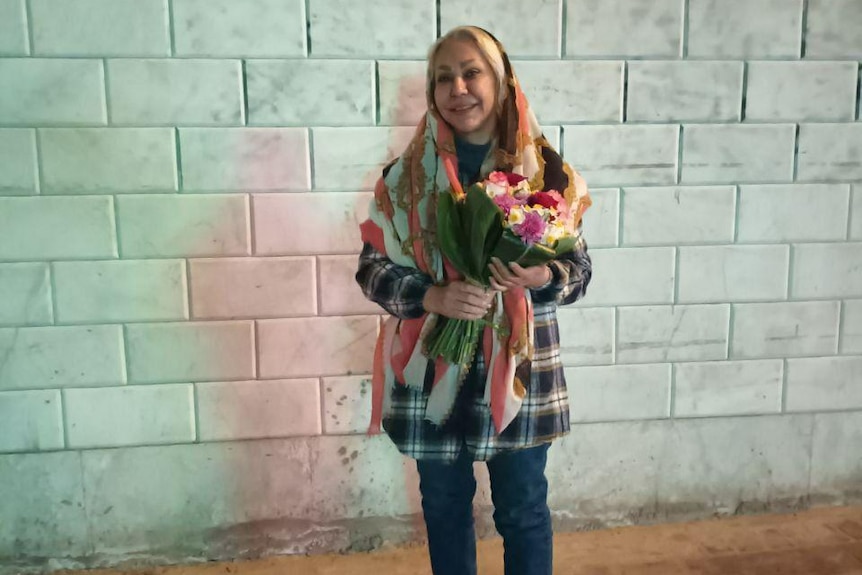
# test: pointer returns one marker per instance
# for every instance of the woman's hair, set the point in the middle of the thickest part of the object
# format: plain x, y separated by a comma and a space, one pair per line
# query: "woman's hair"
487, 46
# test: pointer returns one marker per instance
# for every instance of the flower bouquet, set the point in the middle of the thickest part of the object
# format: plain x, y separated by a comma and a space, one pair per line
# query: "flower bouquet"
501, 217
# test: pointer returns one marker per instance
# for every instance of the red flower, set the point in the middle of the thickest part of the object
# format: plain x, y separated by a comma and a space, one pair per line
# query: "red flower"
544, 199
514, 179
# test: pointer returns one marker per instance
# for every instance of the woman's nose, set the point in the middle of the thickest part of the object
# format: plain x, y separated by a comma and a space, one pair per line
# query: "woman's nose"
459, 86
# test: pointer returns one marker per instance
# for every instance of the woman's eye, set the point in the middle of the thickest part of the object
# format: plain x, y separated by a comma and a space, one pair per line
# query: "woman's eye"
471, 73
444, 79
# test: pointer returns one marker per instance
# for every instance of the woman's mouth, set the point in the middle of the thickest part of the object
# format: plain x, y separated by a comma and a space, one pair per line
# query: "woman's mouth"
462, 109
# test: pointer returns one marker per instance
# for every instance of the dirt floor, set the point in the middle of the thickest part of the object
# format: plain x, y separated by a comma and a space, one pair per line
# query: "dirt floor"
822, 541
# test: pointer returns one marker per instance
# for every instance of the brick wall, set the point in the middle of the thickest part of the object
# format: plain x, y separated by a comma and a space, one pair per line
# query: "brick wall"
183, 351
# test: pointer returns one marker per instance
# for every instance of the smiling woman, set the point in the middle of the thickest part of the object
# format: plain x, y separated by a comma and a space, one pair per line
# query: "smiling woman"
465, 90
508, 401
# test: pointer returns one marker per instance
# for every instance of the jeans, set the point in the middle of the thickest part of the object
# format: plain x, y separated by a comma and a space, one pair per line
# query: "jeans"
519, 491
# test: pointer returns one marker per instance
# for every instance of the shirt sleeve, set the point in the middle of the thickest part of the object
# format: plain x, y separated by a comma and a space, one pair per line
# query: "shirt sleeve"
397, 289
570, 275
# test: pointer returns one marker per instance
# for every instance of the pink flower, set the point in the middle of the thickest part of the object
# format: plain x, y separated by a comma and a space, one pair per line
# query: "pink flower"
531, 229
505, 202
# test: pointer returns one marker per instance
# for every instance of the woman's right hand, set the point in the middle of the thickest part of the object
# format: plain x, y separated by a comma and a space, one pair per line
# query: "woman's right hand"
458, 300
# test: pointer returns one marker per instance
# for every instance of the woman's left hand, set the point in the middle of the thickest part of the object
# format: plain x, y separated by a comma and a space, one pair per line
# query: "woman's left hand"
504, 278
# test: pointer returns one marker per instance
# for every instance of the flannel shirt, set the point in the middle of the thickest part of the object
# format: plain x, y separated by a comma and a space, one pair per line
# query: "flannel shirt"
544, 414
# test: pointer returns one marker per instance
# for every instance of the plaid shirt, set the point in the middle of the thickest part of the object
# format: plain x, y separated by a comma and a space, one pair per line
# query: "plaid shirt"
544, 413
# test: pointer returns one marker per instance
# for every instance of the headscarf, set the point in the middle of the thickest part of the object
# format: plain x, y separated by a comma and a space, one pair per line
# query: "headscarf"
402, 225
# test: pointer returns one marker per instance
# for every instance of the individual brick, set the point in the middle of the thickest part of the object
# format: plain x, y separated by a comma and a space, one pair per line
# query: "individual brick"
832, 29
833, 477
25, 294
620, 28
856, 213
230, 410
568, 91
45, 485
851, 327
732, 273
278, 230
784, 329
188, 226
51, 357
108, 160
368, 473
130, 415
648, 334
801, 91
679, 91
586, 336
339, 292
346, 404
37, 92
320, 346
386, 29
401, 85
353, 158
100, 27
526, 30
185, 484
631, 276
744, 28
120, 291
630, 482
746, 459
57, 228
619, 155
788, 212
13, 28
602, 220
229, 288
251, 29
827, 270
339, 214
678, 215
175, 92
245, 159
279, 92
32, 420
619, 392
823, 383
737, 153
830, 152
727, 388
19, 176
190, 351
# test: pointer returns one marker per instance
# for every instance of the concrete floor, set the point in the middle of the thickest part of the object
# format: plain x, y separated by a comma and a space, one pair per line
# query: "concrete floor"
822, 541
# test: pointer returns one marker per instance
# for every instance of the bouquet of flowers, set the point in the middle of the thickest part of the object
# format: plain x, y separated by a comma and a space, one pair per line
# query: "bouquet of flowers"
501, 217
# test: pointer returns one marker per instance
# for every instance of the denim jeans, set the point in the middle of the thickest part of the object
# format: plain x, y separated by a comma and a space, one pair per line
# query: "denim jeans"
519, 491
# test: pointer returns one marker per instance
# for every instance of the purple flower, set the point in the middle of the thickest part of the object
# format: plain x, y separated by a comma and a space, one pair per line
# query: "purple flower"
505, 202
531, 229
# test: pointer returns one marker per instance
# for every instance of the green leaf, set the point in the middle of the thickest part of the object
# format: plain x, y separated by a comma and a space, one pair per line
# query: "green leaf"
449, 231
510, 249
485, 228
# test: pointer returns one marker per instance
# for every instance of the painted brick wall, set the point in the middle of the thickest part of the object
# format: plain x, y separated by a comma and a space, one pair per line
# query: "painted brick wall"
184, 353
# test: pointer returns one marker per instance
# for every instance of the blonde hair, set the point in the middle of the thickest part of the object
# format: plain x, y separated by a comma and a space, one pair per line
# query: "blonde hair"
487, 46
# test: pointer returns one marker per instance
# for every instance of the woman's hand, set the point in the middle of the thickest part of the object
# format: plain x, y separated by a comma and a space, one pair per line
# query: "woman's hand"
458, 300
503, 278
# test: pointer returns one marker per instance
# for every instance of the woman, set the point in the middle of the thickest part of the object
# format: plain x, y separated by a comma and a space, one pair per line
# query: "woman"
477, 121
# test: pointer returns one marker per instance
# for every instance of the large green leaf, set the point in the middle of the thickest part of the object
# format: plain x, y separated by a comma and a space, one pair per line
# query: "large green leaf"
510, 249
450, 235
485, 227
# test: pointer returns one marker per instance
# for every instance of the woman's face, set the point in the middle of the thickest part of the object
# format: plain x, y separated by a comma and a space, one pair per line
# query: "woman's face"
465, 93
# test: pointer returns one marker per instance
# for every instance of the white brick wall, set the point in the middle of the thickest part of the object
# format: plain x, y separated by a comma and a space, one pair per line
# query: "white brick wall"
181, 183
